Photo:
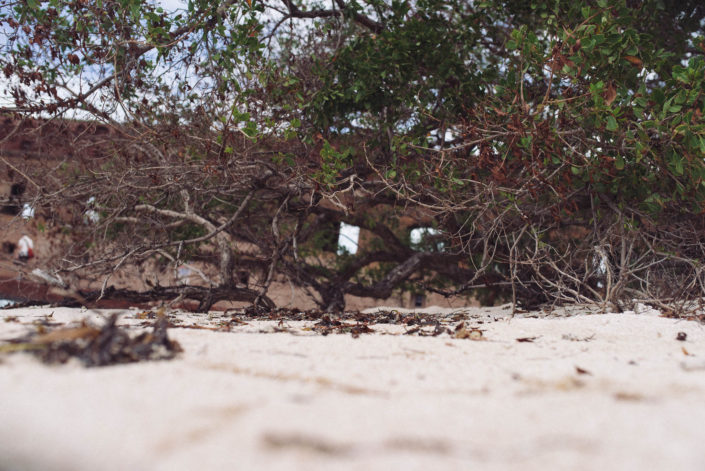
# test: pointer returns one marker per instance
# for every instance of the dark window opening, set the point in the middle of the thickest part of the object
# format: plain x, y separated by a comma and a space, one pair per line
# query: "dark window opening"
419, 300
17, 189
11, 209
243, 277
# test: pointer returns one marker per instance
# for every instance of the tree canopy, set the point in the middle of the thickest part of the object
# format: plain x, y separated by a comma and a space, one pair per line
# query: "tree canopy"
557, 148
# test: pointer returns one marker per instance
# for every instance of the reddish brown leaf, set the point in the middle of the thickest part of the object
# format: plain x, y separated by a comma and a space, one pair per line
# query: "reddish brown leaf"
635, 61
610, 94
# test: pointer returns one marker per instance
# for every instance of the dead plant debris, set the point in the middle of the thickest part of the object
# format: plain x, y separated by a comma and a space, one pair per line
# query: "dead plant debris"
357, 323
280, 441
463, 332
393, 316
628, 396
328, 325
97, 346
575, 338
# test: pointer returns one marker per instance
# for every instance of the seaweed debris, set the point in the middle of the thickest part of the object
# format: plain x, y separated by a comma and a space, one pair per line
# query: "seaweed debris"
98, 346
357, 323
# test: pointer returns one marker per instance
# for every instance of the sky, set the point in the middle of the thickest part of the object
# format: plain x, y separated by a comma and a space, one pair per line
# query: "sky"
171, 5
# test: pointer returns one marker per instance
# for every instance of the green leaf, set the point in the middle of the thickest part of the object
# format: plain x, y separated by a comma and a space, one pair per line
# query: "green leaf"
250, 129
619, 163
681, 129
611, 124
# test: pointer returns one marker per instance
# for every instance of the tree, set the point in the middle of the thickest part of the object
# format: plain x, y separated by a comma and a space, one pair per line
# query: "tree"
557, 147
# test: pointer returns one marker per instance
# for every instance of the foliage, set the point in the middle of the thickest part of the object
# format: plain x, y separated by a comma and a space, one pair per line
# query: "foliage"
558, 146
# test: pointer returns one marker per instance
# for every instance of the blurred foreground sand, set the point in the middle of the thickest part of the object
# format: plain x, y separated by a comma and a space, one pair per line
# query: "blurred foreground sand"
600, 391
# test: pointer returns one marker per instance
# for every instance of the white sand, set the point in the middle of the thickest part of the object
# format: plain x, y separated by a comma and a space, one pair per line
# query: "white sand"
255, 400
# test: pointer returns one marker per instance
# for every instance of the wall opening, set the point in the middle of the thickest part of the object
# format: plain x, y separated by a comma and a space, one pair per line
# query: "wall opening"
426, 239
91, 216
27, 211
419, 300
348, 238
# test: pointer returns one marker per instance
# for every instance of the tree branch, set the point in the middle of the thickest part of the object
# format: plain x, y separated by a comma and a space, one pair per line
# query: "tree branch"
363, 20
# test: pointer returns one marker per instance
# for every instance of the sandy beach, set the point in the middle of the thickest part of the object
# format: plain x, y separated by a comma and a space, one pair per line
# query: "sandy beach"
565, 390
